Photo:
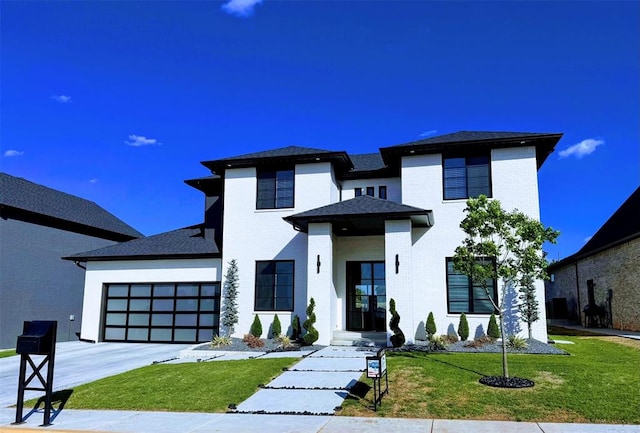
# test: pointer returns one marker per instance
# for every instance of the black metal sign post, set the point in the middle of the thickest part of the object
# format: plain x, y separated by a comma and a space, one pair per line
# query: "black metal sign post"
38, 338
377, 370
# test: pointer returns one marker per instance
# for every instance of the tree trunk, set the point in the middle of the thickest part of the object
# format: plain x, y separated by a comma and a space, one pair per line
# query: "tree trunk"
505, 368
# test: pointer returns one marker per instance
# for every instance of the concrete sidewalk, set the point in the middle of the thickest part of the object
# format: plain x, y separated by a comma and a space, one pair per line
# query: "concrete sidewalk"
164, 422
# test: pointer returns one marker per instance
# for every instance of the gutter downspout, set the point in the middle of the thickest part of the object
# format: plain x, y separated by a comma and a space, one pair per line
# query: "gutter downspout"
79, 265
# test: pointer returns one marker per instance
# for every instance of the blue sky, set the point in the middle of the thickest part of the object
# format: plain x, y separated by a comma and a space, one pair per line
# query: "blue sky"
118, 102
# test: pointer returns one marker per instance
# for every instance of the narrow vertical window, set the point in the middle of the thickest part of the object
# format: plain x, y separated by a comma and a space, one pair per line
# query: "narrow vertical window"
357, 192
382, 192
371, 191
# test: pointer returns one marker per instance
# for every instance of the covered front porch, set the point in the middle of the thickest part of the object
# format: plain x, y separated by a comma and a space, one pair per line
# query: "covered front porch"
359, 257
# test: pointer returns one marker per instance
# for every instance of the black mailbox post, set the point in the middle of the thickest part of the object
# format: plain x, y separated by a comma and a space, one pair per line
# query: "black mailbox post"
38, 338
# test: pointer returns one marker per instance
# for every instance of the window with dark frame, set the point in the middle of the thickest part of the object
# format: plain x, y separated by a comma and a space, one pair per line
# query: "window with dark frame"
275, 189
382, 192
274, 285
465, 297
371, 191
466, 177
357, 192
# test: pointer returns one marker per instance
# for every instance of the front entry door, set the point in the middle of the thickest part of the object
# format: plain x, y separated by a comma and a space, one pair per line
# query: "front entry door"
366, 296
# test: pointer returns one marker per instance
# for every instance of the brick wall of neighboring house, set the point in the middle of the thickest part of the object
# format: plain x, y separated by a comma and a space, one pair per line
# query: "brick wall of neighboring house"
563, 286
616, 269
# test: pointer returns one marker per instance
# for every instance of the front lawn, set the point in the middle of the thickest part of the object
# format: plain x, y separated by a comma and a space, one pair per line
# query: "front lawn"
191, 387
7, 353
598, 383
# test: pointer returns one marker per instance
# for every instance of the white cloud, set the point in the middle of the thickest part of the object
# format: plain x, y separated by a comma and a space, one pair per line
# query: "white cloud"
428, 133
9, 153
585, 147
240, 8
141, 140
94, 180
63, 99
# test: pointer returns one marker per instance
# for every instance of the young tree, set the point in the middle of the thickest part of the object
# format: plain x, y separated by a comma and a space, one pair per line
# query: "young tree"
229, 316
529, 306
501, 246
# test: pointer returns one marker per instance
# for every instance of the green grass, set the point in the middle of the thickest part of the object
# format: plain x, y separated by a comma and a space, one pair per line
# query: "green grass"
598, 383
7, 353
191, 387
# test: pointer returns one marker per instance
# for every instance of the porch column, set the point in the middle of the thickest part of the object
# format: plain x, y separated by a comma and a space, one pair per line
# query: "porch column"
397, 257
320, 285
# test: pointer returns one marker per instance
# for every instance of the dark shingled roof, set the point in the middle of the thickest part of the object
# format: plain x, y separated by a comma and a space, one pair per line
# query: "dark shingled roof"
361, 212
622, 226
26, 197
283, 155
182, 243
468, 140
367, 162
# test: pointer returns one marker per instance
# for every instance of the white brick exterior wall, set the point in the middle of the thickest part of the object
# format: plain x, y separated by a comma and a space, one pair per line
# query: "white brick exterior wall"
137, 271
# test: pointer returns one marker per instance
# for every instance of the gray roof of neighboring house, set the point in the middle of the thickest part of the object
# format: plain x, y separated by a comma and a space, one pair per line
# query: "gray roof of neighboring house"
463, 136
367, 162
622, 226
182, 243
361, 212
40, 201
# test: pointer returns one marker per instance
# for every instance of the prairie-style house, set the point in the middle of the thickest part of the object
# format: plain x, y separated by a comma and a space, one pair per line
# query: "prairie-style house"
350, 231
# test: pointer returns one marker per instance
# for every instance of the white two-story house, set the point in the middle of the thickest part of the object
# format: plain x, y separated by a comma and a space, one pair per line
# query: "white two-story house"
350, 231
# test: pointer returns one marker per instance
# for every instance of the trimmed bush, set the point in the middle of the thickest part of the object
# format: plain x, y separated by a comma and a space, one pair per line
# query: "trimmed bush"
397, 339
463, 327
295, 328
492, 330
430, 328
276, 327
256, 327
312, 333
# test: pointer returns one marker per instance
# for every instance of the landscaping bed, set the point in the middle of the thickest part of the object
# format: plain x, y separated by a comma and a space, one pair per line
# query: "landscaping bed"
270, 345
534, 347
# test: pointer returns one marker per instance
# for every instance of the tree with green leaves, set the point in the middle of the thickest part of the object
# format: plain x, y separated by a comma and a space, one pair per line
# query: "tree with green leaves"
276, 327
529, 306
430, 327
229, 313
501, 246
256, 327
493, 331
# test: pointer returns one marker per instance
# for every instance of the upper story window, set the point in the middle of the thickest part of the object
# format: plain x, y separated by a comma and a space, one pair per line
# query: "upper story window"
466, 177
275, 189
382, 192
371, 191
357, 192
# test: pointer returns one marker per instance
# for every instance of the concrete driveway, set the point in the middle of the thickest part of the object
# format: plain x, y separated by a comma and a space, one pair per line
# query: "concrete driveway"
78, 362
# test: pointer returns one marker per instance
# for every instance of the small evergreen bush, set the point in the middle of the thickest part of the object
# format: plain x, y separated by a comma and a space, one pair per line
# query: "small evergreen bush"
295, 328
276, 327
430, 328
252, 341
397, 339
256, 327
492, 330
312, 333
463, 327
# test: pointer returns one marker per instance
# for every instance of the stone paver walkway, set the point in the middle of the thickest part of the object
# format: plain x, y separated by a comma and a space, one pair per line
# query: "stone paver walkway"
317, 385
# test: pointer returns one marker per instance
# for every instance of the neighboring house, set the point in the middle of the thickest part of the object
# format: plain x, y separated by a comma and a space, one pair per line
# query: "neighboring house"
605, 272
351, 231
38, 226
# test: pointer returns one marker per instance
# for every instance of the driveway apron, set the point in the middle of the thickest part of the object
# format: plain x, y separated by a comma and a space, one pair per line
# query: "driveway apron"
317, 385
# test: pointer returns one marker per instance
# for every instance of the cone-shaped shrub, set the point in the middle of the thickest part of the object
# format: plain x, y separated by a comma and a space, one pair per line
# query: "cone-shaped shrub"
430, 328
492, 330
295, 328
276, 327
312, 333
463, 327
256, 327
397, 339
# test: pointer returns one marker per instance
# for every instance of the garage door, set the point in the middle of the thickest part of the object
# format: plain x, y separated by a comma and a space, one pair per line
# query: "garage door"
161, 313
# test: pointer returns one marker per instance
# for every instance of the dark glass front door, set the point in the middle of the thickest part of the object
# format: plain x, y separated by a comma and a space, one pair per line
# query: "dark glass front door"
366, 296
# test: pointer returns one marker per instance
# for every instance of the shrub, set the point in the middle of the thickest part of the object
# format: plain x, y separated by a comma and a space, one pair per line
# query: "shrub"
430, 328
276, 328
285, 342
295, 328
517, 343
220, 341
449, 338
479, 342
436, 342
463, 327
312, 333
229, 310
256, 327
397, 339
492, 330
252, 341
